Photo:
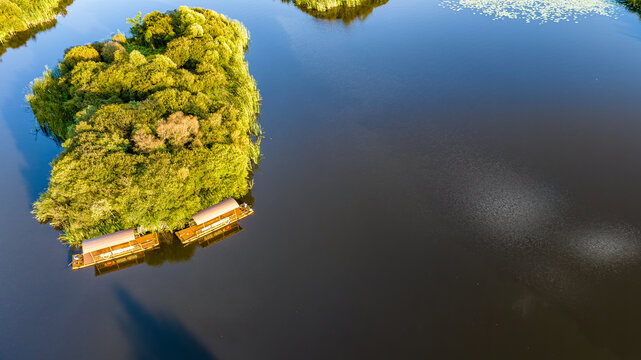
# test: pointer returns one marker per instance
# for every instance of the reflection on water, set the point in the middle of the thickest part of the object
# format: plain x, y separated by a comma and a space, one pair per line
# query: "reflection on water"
170, 250
632, 6
575, 261
530, 228
538, 11
503, 202
20, 38
347, 14
607, 244
157, 336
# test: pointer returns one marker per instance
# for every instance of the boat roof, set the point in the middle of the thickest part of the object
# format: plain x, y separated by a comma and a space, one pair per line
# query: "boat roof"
214, 211
106, 241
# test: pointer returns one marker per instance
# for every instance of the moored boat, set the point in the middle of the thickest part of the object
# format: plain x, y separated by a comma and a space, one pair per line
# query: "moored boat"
214, 218
107, 249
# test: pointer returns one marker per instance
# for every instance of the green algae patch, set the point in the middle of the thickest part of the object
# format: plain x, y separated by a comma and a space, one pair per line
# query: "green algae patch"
345, 10
154, 127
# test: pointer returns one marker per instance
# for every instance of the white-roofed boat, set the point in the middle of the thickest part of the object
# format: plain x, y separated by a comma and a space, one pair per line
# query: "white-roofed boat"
107, 249
214, 218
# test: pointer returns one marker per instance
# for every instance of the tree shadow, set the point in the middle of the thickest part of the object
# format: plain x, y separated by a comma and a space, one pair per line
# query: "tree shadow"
157, 336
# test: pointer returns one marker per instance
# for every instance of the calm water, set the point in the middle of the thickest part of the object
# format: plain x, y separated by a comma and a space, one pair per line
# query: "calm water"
435, 184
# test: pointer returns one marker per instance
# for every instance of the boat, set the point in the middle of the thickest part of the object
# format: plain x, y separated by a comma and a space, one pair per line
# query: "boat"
212, 219
107, 249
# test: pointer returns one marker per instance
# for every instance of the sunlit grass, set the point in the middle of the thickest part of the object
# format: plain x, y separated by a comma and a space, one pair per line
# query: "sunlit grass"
18, 16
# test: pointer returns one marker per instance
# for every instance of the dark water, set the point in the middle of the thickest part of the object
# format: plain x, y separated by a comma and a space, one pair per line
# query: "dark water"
435, 185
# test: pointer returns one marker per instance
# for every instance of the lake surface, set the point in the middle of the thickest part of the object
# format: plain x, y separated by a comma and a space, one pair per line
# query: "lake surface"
435, 184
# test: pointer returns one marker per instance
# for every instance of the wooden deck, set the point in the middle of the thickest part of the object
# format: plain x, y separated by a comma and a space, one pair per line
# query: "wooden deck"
197, 232
109, 254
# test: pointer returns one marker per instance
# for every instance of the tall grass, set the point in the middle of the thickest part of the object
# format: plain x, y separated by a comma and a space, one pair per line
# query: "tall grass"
17, 16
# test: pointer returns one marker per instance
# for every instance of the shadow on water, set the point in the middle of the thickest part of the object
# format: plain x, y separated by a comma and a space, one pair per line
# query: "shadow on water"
157, 336
347, 14
171, 250
21, 38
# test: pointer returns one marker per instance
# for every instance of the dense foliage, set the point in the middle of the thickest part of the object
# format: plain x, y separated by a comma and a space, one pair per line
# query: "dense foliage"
345, 10
20, 19
633, 5
155, 127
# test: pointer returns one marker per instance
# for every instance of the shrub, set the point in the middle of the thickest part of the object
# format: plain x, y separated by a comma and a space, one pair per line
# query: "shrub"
110, 49
119, 38
81, 53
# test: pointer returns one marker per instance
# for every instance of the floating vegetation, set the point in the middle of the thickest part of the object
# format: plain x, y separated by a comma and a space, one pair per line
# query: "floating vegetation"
344, 10
155, 127
537, 11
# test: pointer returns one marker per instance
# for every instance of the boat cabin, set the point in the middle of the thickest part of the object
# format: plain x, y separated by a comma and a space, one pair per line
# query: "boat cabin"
214, 218
107, 249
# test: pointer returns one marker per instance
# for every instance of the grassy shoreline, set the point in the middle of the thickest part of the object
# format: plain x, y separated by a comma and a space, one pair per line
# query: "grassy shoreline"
22, 16
344, 10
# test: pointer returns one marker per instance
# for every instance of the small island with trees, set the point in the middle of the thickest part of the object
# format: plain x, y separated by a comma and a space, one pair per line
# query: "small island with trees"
154, 127
344, 10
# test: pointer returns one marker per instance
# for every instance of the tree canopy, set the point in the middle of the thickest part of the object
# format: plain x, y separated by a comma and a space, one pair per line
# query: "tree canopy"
154, 127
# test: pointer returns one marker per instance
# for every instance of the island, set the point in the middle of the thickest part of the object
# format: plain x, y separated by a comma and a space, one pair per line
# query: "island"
154, 127
345, 10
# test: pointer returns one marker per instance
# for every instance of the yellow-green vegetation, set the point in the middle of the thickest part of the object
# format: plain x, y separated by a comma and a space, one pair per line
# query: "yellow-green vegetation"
21, 19
155, 127
345, 10
633, 4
